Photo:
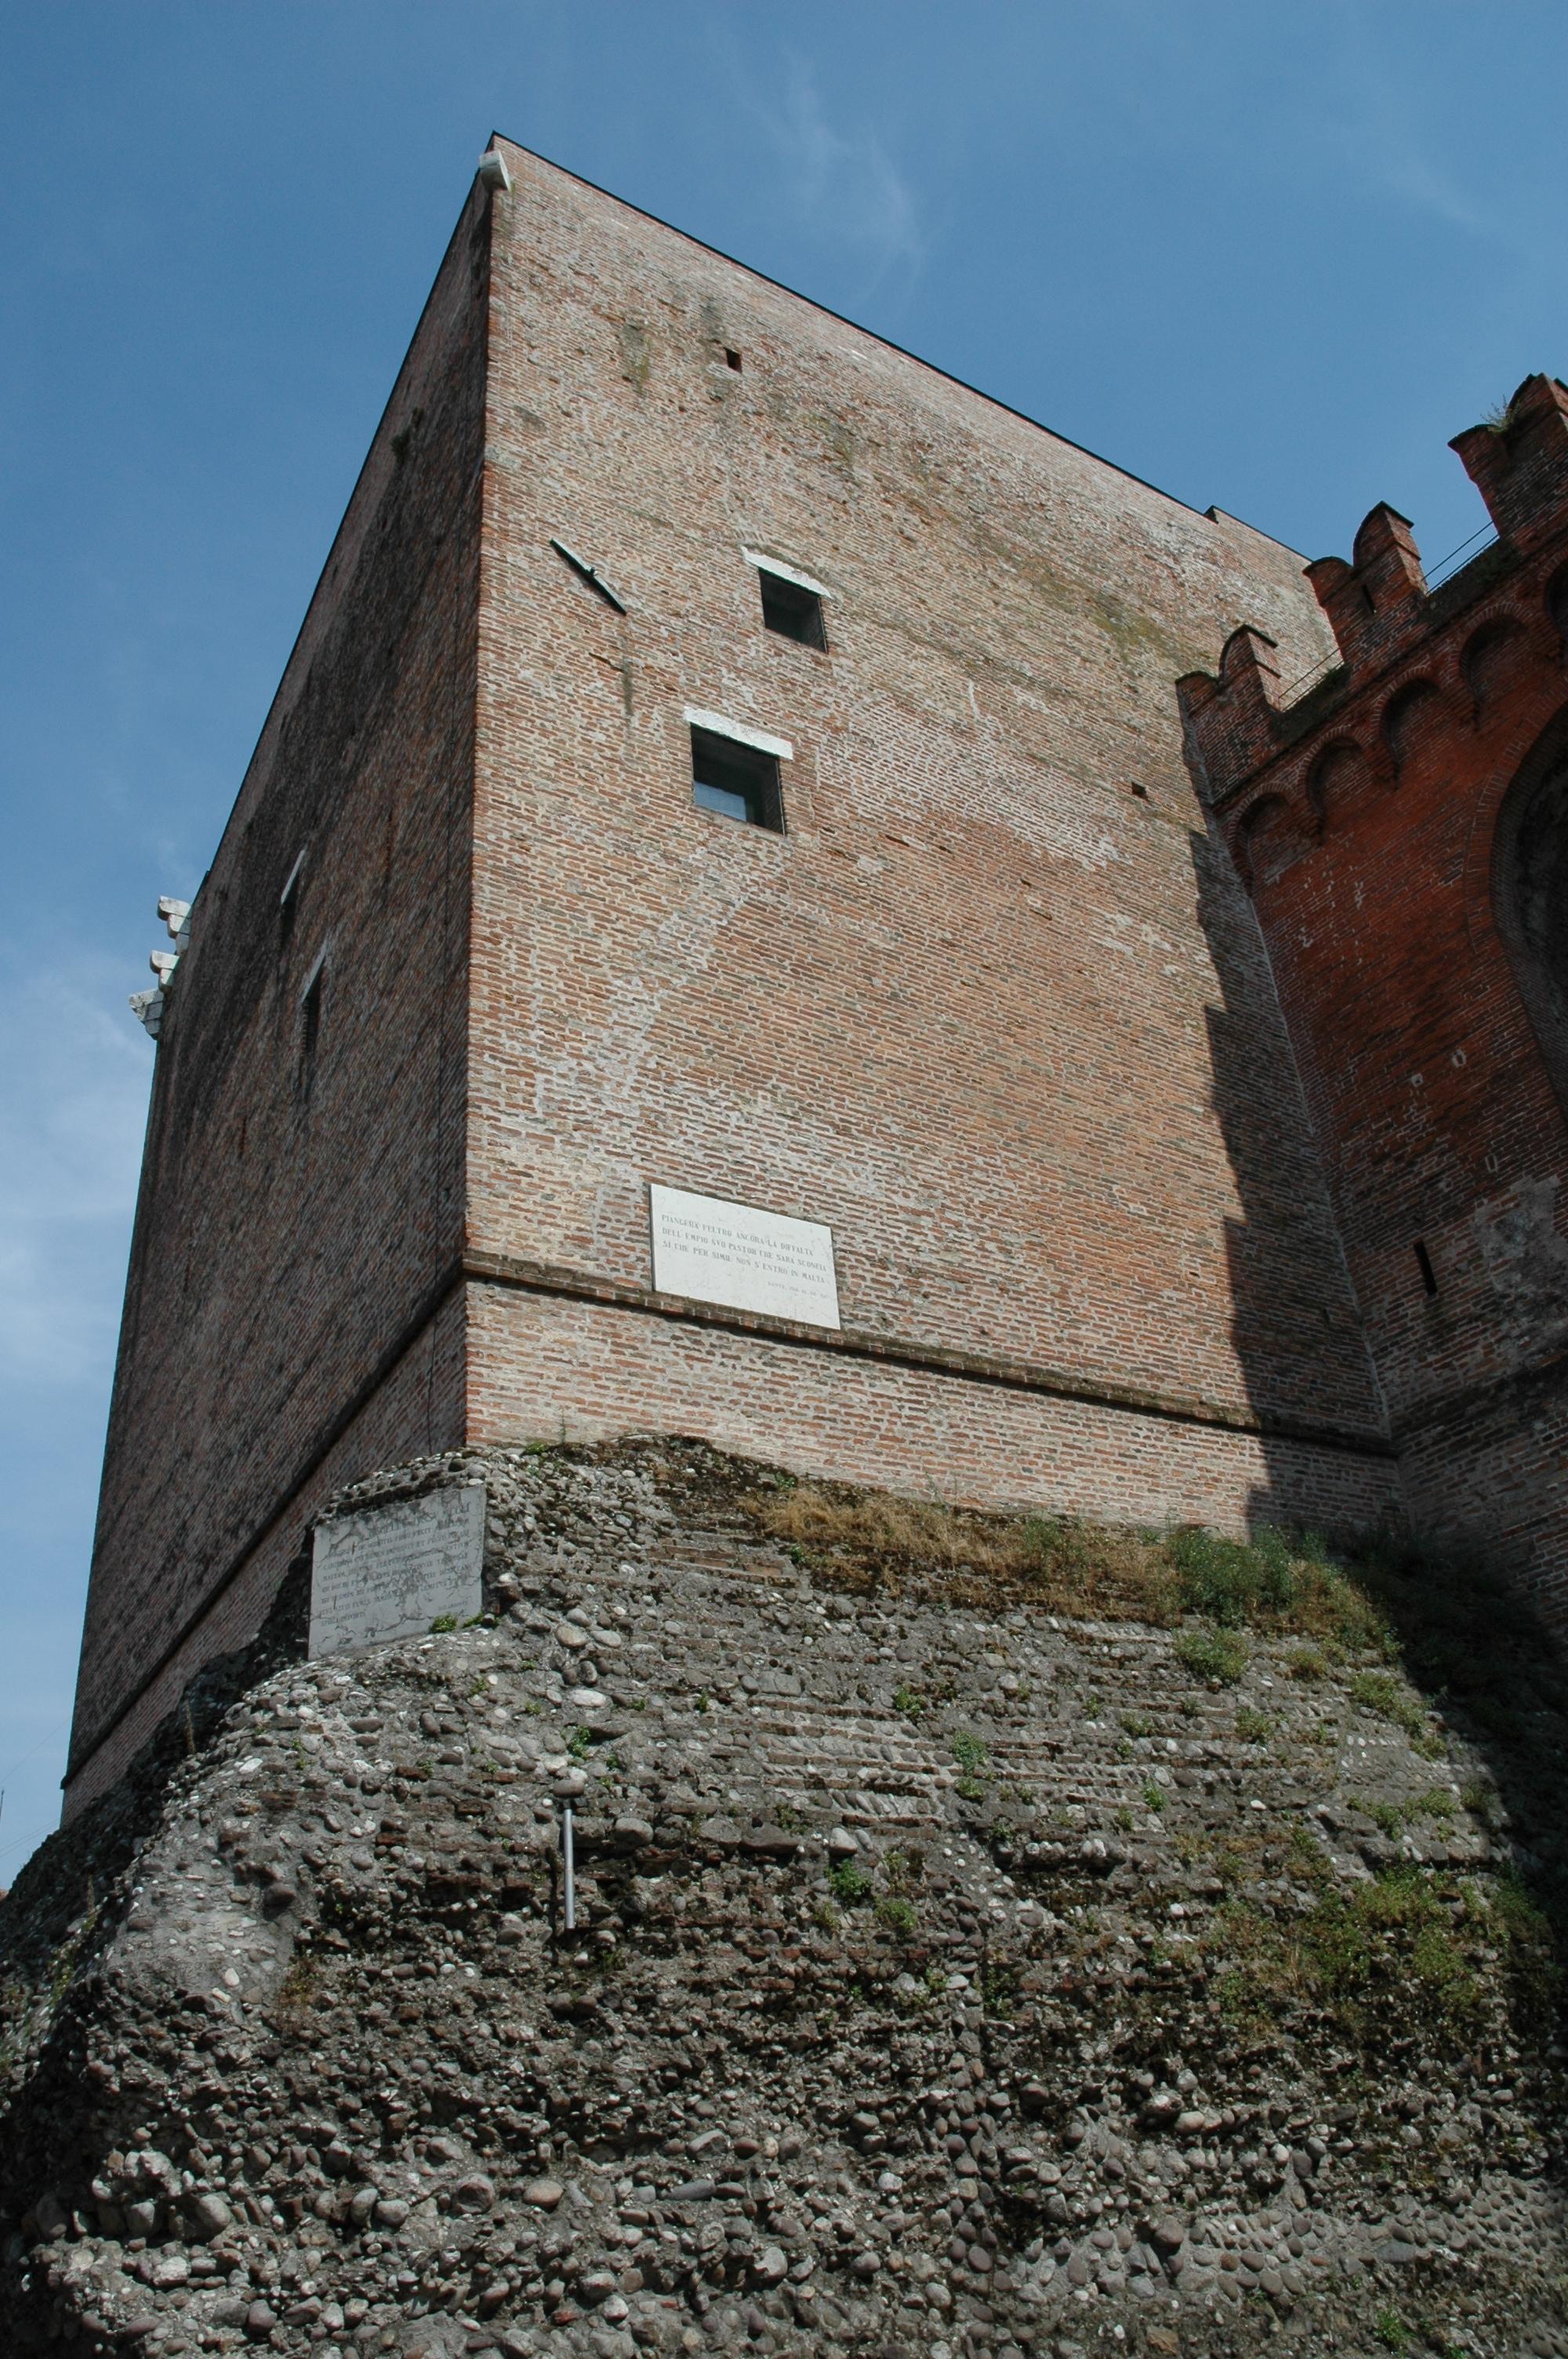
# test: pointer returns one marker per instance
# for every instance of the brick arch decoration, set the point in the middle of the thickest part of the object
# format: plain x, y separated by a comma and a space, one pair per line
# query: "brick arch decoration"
1529, 881
1516, 755
1269, 836
1493, 657
1413, 712
1339, 773
1556, 604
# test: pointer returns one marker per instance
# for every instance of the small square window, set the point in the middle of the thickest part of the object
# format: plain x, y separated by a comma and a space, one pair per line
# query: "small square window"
792, 611
738, 781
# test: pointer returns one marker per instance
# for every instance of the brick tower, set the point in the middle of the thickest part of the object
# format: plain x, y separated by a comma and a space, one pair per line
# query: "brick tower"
729, 777
1401, 817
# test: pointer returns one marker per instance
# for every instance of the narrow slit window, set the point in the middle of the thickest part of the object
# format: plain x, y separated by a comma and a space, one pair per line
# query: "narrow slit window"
732, 358
289, 901
736, 781
793, 610
310, 1013
1423, 1263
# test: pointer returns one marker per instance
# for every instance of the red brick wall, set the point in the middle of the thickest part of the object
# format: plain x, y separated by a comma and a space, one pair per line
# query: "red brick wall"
291, 1234
546, 1366
1003, 1023
1366, 817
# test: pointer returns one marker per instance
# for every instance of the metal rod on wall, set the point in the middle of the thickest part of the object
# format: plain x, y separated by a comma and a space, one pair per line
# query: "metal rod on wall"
569, 1865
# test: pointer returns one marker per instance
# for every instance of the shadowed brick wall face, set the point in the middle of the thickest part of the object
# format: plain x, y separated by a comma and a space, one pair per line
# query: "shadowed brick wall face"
299, 1218
995, 1005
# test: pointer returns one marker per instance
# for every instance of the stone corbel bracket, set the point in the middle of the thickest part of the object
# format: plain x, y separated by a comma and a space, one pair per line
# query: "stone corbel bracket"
146, 1006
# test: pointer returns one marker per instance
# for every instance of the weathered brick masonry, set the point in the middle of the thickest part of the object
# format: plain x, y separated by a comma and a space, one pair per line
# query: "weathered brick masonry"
993, 1005
1402, 821
967, 1009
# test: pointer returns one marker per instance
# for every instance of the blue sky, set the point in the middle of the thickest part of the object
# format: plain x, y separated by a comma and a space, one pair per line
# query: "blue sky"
1266, 257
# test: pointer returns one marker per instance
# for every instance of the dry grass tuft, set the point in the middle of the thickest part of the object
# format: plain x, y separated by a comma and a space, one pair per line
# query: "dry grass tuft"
295, 2000
869, 1540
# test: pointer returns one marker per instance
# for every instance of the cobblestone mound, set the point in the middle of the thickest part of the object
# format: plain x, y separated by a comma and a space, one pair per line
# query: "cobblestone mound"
950, 1977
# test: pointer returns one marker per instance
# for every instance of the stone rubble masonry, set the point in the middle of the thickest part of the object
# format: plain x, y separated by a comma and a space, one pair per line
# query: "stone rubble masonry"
1375, 814
994, 1006
949, 1975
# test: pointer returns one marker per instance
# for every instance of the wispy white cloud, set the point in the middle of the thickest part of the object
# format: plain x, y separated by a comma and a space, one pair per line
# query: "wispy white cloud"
1384, 133
74, 1074
1413, 177
841, 181
74, 1071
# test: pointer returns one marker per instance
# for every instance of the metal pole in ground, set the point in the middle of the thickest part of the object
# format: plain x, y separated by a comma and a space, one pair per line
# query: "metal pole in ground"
568, 1861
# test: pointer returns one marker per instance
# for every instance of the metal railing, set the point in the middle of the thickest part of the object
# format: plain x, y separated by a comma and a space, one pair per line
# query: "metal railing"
1444, 571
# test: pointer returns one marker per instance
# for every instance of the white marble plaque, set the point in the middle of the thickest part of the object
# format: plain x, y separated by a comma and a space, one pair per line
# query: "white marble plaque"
388, 1573
713, 1251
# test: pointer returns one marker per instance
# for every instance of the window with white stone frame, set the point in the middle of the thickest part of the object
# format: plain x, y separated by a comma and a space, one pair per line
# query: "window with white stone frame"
735, 771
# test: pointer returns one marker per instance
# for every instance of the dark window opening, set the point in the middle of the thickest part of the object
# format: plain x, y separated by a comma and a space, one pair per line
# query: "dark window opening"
1423, 1263
310, 1011
735, 780
731, 358
792, 611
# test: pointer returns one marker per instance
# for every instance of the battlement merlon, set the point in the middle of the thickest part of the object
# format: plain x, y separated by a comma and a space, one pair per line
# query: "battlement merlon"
1376, 604
1519, 462
1379, 598
1379, 604
1232, 717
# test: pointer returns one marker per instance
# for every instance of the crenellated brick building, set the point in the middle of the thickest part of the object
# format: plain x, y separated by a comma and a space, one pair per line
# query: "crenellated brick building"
726, 760
1401, 817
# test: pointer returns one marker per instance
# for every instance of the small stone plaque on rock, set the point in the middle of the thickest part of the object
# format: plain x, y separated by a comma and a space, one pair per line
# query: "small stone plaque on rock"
388, 1573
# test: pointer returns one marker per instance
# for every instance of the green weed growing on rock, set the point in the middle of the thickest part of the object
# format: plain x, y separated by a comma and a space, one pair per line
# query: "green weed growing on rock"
1531, 1965
1213, 1654
1394, 1816
897, 1914
849, 1881
1271, 1583
1377, 1691
1403, 1945
970, 1755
